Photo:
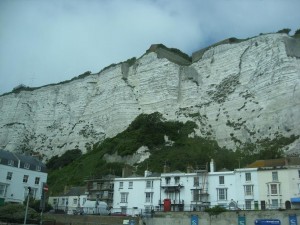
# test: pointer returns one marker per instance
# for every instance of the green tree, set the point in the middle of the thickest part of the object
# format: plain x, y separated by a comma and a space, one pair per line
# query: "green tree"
284, 31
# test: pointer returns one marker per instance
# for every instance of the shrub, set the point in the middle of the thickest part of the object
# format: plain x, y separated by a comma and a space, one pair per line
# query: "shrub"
284, 31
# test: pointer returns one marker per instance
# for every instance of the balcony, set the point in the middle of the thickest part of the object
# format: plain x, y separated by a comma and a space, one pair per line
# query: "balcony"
171, 186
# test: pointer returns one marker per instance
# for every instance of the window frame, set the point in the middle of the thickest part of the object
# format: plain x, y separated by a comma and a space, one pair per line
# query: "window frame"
25, 178
248, 177
9, 175
221, 180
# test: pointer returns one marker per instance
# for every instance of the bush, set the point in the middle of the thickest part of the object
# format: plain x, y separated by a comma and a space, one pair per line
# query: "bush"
15, 213
284, 31
297, 32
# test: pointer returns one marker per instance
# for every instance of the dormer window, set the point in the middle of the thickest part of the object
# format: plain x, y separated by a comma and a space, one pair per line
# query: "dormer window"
38, 168
26, 165
11, 162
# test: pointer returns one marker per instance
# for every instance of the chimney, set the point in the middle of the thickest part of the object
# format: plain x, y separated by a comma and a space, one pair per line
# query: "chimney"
147, 173
126, 171
212, 166
166, 169
189, 169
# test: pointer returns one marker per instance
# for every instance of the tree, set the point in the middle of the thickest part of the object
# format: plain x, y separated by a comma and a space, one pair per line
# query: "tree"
297, 32
285, 30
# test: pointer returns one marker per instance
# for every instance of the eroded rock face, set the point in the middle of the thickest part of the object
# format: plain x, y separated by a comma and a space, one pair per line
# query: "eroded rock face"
245, 91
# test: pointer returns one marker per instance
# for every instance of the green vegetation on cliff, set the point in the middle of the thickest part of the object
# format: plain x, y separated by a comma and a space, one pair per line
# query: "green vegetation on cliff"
72, 168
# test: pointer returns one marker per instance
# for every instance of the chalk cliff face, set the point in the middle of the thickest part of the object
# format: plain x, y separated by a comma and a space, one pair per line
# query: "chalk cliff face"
236, 93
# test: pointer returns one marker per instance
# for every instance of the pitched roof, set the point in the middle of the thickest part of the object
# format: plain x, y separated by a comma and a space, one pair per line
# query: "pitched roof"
6, 156
275, 162
75, 191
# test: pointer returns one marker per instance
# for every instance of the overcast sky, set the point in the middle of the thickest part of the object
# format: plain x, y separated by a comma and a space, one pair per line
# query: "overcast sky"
49, 41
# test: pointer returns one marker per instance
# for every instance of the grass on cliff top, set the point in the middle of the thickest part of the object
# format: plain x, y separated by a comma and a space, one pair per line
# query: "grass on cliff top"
72, 168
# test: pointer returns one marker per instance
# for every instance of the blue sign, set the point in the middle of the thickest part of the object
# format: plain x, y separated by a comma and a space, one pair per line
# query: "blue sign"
241, 220
293, 220
267, 222
194, 220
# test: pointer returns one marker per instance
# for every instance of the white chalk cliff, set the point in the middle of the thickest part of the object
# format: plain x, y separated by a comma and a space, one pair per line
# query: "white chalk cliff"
242, 91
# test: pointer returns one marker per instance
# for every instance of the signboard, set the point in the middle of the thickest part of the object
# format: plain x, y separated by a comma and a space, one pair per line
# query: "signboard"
241, 220
267, 222
194, 220
293, 220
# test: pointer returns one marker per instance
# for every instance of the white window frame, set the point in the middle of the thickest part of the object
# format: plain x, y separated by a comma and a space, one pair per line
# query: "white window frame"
274, 189
9, 175
275, 176
222, 194
25, 178
148, 197
121, 185
221, 180
248, 177
124, 197
248, 204
37, 180
149, 184
274, 203
130, 185
3, 189
11, 162
26, 166
248, 190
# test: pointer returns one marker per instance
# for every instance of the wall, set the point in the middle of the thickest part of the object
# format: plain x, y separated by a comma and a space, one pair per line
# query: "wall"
229, 218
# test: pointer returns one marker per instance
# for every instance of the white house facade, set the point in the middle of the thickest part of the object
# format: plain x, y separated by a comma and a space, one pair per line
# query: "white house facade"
135, 195
71, 202
18, 174
279, 187
247, 192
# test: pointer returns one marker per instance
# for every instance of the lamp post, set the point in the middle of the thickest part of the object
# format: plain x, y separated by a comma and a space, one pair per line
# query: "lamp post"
26, 210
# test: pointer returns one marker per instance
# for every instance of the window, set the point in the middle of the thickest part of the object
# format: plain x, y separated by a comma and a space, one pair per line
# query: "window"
11, 162
274, 176
63, 202
274, 189
196, 195
221, 180
55, 201
75, 201
248, 176
222, 194
177, 180
248, 204
248, 190
2, 190
121, 185
38, 168
124, 197
37, 180
196, 181
274, 204
298, 173
149, 184
25, 178
168, 179
130, 185
26, 165
149, 196
9, 175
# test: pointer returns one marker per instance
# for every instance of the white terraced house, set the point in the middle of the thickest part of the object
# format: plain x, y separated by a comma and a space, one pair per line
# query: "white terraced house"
18, 173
